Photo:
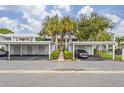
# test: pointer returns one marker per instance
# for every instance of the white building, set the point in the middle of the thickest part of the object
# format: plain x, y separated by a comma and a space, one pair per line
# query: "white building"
25, 44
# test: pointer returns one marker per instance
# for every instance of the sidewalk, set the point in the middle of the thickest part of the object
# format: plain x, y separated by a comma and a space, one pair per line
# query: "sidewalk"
61, 57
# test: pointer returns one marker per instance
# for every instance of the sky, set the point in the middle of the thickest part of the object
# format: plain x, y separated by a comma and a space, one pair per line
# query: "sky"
28, 19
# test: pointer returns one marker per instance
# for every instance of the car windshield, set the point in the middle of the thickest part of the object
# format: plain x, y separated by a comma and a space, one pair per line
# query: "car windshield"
82, 51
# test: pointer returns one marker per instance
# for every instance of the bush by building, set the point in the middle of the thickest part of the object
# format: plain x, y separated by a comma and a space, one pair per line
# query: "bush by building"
54, 54
67, 54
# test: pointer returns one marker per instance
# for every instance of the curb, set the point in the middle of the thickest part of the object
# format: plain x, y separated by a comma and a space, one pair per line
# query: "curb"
57, 72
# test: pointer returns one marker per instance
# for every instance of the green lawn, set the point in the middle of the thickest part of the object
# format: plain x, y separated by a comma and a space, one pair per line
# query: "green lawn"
108, 56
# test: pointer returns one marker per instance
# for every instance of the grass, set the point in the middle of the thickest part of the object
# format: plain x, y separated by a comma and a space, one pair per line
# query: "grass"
108, 56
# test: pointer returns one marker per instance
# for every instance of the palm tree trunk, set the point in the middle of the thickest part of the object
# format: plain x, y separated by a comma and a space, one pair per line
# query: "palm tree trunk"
61, 46
66, 41
56, 42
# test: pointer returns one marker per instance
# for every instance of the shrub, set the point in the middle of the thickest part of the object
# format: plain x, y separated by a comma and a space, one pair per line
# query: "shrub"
39, 39
54, 55
2, 49
67, 54
5, 31
106, 56
118, 58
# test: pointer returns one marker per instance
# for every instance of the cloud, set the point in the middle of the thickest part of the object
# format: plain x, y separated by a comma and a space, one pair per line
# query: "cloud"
119, 23
65, 8
33, 14
55, 12
6, 22
87, 10
113, 17
119, 29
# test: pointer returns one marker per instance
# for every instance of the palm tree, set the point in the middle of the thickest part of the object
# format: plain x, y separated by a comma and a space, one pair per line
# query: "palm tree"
68, 27
52, 27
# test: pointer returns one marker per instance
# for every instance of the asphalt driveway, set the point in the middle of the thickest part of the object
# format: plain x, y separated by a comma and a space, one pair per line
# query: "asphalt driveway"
93, 58
28, 58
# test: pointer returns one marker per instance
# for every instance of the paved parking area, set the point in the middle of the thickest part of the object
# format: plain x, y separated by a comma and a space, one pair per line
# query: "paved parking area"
20, 58
92, 58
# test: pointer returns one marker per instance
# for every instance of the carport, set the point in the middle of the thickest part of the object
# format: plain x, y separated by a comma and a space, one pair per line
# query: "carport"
122, 46
90, 45
28, 48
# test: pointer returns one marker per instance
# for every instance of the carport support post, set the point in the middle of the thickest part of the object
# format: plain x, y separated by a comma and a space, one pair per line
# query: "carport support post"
8, 51
107, 47
92, 49
73, 51
122, 54
49, 51
21, 50
113, 52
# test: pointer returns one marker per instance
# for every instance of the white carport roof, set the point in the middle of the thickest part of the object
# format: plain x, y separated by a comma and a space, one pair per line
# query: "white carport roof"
93, 42
26, 42
18, 35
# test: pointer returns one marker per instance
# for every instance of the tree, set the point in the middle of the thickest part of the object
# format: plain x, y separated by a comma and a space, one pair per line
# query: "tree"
93, 28
68, 27
119, 39
5, 31
52, 27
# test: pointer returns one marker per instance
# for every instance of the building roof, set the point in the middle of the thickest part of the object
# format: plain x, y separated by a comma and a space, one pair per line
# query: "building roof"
59, 37
26, 42
93, 42
18, 35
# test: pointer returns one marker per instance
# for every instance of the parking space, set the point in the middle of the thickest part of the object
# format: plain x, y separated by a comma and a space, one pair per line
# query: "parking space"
41, 57
92, 58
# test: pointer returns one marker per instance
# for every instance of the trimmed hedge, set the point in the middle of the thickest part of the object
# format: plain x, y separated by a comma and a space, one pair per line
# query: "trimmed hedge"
54, 54
67, 54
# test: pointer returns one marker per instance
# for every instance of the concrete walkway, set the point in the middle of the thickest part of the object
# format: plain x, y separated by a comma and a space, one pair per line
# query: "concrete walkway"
61, 57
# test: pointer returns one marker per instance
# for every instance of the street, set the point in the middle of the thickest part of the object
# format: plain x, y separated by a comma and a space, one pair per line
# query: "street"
62, 80
61, 74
